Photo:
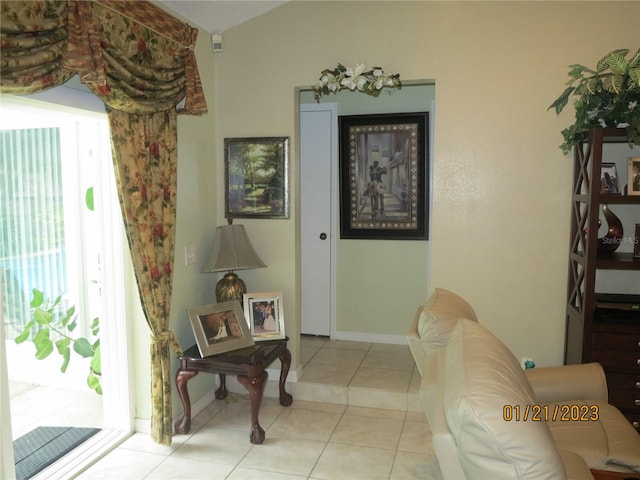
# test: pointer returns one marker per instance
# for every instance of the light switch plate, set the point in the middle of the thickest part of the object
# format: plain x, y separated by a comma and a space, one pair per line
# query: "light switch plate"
190, 254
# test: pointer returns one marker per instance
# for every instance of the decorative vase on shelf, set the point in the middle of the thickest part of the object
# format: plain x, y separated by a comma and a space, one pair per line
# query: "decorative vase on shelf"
611, 241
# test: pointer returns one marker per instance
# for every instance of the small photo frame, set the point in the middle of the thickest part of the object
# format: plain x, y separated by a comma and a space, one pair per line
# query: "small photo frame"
220, 328
636, 242
263, 313
256, 180
634, 177
609, 184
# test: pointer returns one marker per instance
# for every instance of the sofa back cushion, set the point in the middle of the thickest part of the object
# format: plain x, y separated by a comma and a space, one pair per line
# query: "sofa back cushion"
438, 316
486, 395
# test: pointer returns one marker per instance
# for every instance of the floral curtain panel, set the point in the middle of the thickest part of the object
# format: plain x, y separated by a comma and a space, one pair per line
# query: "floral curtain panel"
140, 61
146, 176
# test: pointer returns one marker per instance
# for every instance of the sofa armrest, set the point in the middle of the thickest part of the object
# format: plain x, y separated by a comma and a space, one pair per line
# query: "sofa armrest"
568, 382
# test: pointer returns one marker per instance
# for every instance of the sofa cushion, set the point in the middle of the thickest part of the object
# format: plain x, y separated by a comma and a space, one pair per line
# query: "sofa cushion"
598, 432
438, 316
482, 377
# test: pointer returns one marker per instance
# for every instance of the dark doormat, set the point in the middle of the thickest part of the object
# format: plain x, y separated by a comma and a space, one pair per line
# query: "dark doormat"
39, 448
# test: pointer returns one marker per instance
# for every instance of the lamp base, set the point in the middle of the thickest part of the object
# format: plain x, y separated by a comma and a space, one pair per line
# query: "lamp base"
230, 287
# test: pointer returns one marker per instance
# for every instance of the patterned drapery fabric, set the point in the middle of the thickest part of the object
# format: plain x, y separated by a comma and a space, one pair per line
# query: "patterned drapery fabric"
140, 62
133, 55
147, 178
33, 40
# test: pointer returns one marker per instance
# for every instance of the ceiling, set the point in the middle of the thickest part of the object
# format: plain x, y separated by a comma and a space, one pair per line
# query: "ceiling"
216, 16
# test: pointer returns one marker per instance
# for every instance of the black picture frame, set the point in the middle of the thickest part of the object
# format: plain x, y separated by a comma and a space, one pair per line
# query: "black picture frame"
384, 176
256, 183
609, 183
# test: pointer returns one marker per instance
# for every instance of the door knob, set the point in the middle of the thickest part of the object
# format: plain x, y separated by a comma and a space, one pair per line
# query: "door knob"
323, 236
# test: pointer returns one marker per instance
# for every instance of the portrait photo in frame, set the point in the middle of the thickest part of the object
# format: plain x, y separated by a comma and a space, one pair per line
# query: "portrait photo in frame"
609, 184
220, 327
264, 315
256, 181
634, 176
384, 176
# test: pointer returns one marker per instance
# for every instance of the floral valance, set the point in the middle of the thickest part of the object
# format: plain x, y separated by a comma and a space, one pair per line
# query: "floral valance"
136, 57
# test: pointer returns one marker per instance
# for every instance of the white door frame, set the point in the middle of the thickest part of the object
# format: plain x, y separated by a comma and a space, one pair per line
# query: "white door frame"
334, 234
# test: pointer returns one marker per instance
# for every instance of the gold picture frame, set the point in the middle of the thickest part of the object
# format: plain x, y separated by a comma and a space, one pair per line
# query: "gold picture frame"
220, 328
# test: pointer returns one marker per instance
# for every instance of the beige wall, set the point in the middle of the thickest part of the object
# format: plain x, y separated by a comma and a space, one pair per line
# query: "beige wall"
501, 185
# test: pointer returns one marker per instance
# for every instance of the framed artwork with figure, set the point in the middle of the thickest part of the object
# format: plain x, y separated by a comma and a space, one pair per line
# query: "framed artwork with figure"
384, 176
609, 183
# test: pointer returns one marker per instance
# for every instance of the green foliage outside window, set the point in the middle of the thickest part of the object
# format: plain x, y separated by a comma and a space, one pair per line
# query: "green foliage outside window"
49, 330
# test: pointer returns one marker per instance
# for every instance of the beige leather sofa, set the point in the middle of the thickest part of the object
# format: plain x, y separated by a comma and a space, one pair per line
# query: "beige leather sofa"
492, 420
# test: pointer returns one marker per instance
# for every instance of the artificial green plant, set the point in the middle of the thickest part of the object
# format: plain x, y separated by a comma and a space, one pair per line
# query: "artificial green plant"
607, 96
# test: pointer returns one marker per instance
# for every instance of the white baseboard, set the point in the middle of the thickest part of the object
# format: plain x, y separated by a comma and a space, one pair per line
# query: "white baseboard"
371, 337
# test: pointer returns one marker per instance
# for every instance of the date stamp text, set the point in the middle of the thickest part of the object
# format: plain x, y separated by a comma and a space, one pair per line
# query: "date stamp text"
546, 413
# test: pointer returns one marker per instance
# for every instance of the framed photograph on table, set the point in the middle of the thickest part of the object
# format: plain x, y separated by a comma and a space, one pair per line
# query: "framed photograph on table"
256, 177
263, 313
634, 176
220, 328
384, 176
609, 184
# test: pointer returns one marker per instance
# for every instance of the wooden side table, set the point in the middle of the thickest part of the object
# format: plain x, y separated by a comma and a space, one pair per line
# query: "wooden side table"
248, 364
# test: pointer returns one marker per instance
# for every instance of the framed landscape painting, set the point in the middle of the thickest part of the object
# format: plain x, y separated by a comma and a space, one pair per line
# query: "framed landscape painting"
256, 177
384, 176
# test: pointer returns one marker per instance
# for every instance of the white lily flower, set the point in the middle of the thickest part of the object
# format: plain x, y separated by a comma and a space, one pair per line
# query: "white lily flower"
355, 71
333, 86
353, 77
381, 81
327, 78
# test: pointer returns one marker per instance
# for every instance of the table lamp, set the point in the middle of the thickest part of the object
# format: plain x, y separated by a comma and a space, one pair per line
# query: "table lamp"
232, 250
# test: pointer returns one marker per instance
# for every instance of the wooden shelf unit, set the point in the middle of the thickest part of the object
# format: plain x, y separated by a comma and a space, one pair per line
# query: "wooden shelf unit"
615, 345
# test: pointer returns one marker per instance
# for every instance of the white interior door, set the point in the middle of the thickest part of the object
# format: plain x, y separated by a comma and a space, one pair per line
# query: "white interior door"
318, 181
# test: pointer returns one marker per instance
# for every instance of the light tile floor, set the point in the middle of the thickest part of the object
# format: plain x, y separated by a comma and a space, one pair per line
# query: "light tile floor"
355, 416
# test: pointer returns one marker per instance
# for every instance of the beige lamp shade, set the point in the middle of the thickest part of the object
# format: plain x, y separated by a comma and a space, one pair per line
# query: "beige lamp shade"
232, 250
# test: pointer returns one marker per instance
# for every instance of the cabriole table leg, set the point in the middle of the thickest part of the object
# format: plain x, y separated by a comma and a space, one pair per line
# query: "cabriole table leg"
286, 398
255, 386
222, 392
183, 424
